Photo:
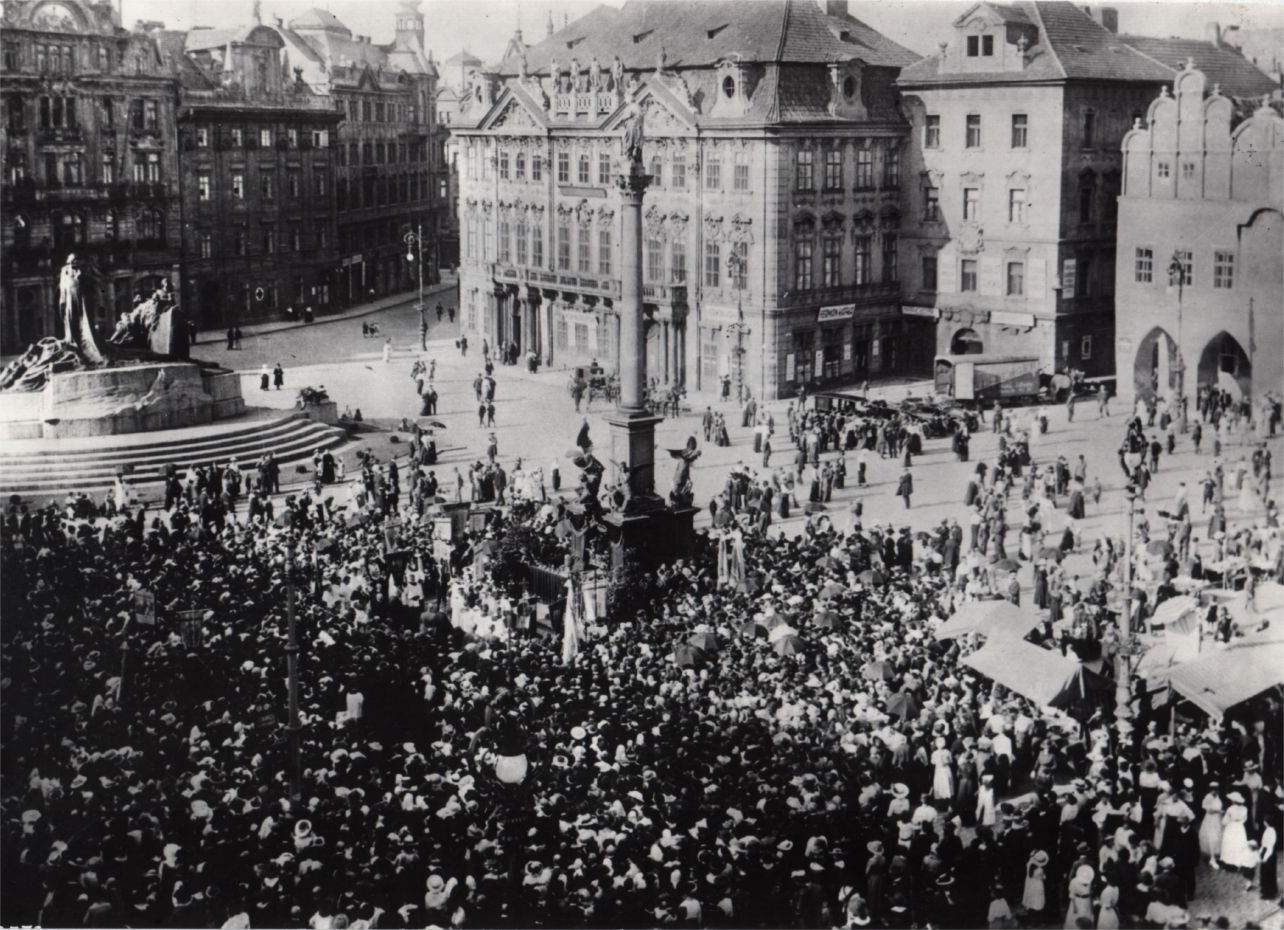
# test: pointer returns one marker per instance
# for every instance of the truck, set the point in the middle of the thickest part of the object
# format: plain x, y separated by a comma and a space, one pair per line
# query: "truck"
1009, 379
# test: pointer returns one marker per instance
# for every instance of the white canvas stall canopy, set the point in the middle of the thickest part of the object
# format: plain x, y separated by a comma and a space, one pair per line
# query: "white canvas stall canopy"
1043, 676
990, 618
1217, 681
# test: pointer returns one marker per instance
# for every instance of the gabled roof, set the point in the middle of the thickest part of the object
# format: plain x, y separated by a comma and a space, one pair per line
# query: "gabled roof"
700, 33
1237, 76
1071, 45
318, 19
463, 57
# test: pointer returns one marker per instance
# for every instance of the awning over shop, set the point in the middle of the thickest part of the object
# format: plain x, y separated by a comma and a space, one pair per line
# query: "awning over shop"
989, 618
1043, 676
1217, 681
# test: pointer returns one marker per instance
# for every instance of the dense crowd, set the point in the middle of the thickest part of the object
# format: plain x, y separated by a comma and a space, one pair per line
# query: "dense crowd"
782, 743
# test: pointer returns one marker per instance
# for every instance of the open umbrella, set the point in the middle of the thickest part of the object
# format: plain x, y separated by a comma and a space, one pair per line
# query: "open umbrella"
870, 576
1007, 565
687, 656
879, 669
832, 589
705, 642
752, 628
789, 645
828, 620
903, 705
829, 563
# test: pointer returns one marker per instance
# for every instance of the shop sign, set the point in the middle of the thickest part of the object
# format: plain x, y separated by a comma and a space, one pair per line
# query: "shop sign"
836, 313
930, 313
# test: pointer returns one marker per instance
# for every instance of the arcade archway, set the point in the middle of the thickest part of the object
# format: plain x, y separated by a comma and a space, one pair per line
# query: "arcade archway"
1224, 364
1155, 367
966, 342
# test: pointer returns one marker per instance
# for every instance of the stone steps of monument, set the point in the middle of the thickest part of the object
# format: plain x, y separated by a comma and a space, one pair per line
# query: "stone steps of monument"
291, 440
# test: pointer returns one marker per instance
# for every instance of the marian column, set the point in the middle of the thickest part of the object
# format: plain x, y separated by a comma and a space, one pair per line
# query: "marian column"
632, 427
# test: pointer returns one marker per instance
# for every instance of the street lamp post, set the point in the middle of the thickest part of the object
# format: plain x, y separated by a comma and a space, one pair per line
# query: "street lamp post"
415, 241
736, 267
1123, 671
292, 726
1177, 276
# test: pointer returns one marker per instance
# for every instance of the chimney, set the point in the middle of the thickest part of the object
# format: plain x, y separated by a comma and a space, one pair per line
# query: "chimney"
1107, 17
1214, 34
940, 62
836, 7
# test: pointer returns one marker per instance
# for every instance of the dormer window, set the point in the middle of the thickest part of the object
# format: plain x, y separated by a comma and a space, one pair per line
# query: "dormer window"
980, 45
849, 87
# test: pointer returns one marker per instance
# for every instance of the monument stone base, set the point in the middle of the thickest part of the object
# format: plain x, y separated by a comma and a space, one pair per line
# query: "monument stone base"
653, 537
110, 401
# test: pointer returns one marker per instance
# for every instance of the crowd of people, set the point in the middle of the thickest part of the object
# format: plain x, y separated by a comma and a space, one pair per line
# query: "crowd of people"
778, 739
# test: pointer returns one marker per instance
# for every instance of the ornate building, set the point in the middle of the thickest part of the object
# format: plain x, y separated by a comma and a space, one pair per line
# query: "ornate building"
1201, 245
258, 164
387, 152
775, 144
90, 162
1012, 178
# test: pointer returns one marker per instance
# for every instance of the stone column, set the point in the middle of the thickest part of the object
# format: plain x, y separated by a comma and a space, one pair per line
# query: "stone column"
632, 428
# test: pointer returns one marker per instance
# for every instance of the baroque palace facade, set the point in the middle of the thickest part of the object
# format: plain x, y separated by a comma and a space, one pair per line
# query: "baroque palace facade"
774, 142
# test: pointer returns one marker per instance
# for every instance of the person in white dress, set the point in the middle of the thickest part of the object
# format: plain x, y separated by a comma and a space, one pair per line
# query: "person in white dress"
1210, 829
985, 803
943, 778
1235, 851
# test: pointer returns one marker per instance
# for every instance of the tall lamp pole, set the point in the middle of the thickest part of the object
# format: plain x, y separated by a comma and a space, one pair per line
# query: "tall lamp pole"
1123, 671
1177, 278
415, 240
736, 268
292, 726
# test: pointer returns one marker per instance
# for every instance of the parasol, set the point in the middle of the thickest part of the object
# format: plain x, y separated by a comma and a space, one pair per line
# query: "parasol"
903, 705
705, 642
828, 620
879, 669
831, 590
789, 645
687, 656
870, 576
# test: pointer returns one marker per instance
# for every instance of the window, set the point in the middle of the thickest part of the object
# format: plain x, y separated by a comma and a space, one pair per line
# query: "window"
238, 242
505, 241
1087, 193
319, 187
21, 231
927, 272
987, 45
968, 276
656, 171
14, 114
864, 169
320, 139
971, 204
1083, 277
802, 265
1016, 205
296, 239
678, 261
537, 170
207, 245
519, 167
69, 230
891, 258
204, 190
679, 171
520, 238
1188, 170
712, 265
238, 185
238, 138
739, 271
931, 132
150, 227
294, 180
563, 248
111, 227
803, 179
583, 175
1016, 279
1143, 267
563, 168
831, 261
265, 138
604, 252
973, 138
1223, 270
833, 169
740, 180
931, 204
1089, 128
654, 261
1163, 169
712, 172
292, 139
1020, 131
1085, 348
892, 169
603, 169
107, 171
503, 166
973, 46
151, 114
863, 260
537, 246
269, 240
265, 186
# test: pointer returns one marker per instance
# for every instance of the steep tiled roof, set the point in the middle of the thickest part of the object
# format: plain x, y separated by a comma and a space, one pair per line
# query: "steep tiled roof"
1237, 76
319, 19
700, 33
1071, 45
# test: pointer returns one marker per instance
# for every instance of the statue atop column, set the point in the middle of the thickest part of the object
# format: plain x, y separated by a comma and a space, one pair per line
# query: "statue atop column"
634, 137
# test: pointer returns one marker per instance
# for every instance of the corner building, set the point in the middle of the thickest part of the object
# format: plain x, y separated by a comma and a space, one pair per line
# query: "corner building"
90, 163
771, 226
1010, 192
1201, 246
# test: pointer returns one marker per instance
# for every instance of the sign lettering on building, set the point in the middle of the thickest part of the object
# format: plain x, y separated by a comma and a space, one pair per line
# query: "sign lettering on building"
1067, 276
789, 367
930, 313
835, 313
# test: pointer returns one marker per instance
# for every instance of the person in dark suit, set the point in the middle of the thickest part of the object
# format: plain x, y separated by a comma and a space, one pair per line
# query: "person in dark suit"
905, 487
